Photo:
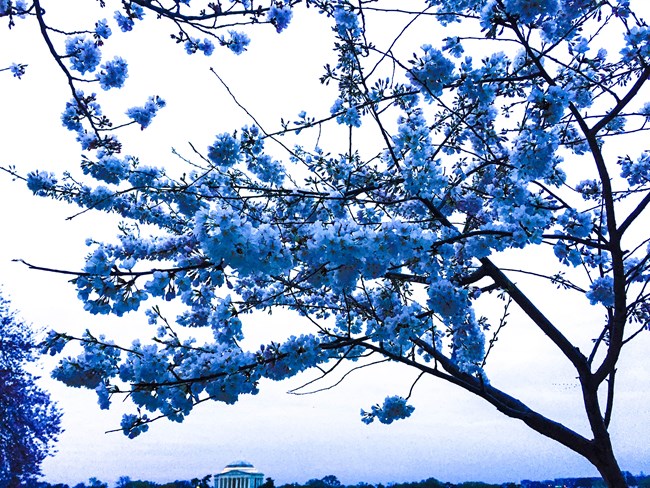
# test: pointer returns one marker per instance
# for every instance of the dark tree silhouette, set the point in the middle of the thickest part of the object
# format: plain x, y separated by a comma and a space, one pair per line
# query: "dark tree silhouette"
29, 420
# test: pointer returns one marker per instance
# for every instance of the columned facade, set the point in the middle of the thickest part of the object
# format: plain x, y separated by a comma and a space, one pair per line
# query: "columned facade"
239, 474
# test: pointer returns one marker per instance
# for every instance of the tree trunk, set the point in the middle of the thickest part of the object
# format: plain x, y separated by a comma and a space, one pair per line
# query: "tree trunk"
605, 461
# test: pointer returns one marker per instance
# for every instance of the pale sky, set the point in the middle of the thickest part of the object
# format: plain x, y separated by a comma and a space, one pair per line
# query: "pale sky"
451, 436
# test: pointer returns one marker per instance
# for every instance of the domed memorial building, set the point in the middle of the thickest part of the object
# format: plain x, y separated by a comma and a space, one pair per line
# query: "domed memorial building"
239, 474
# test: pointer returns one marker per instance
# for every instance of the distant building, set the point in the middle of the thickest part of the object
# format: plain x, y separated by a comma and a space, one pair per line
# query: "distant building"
239, 474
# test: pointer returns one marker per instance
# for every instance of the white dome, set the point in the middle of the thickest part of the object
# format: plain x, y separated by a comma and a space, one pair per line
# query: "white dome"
243, 466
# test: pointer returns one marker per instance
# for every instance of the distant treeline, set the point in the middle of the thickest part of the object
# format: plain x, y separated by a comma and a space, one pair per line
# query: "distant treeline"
331, 481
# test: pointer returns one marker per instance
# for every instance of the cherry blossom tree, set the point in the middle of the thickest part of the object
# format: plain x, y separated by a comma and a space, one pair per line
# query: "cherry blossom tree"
384, 249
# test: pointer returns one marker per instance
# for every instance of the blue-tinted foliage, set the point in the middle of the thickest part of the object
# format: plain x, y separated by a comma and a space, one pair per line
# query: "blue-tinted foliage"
30, 419
490, 165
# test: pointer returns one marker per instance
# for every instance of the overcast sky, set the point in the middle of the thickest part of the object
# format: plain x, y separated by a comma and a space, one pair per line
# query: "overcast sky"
451, 436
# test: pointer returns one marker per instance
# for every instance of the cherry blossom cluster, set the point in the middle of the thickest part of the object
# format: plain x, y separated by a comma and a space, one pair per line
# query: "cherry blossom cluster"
384, 254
